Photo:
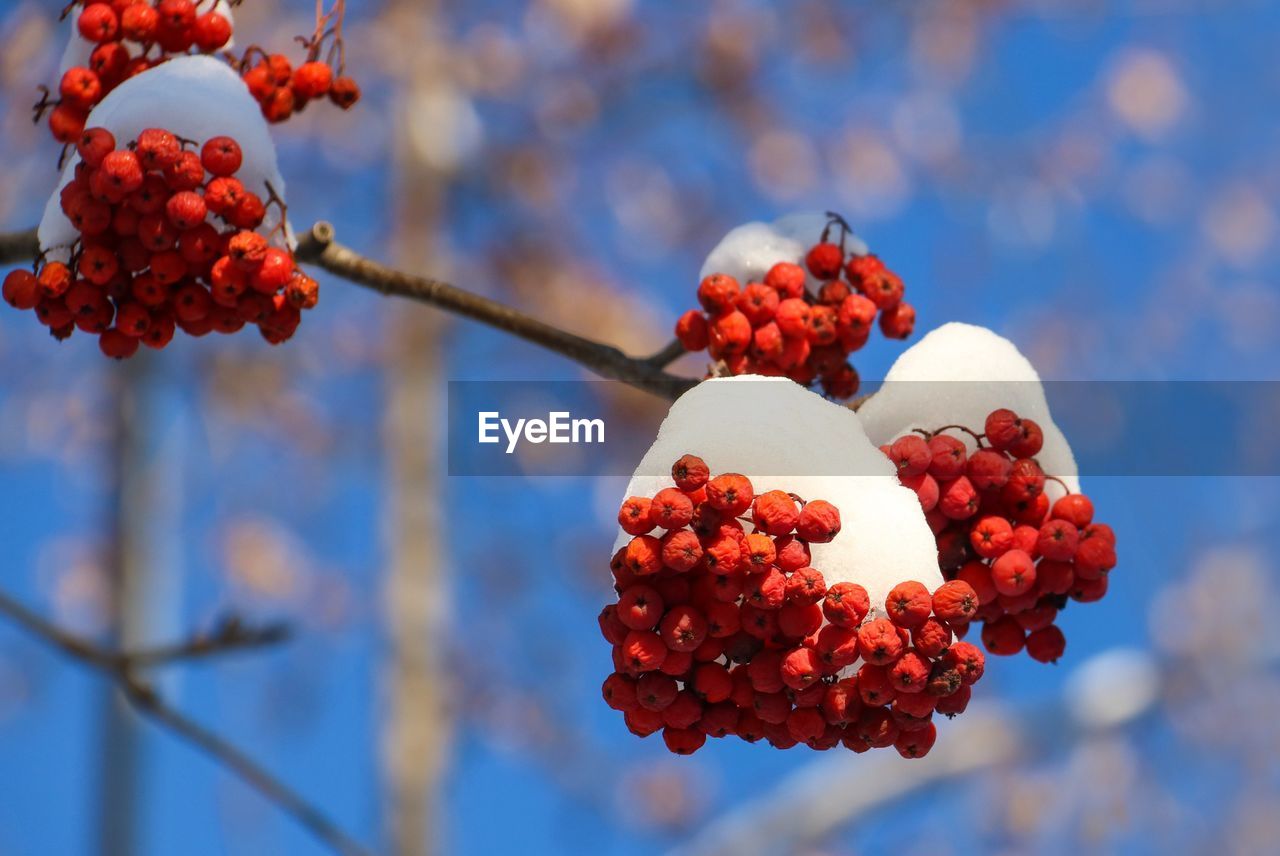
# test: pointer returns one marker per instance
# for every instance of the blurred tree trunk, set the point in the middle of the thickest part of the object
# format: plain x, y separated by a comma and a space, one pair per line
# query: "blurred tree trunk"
118, 780
417, 725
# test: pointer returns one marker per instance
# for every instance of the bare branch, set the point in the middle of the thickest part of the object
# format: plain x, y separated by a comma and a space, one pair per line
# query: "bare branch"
318, 247
18, 247
231, 635
119, 668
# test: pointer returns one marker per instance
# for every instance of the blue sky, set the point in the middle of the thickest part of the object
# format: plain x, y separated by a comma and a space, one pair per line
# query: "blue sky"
1097, 185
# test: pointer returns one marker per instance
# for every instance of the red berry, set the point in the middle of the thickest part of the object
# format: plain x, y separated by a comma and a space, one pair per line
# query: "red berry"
824, 260
274, 272
671, 509
955, 602
730, 493
683, 629
211, 32
1014, 573
139, 22
643, 651
80, 88
1003, 637
691, 330
911, 455
846, 604
910, 673
66, 123
640, 607
117, 345
98, 23
21, 289
819, 522
898, 321
917, 743
879, 642
344, 93
312, 80
655, 691
683, 741
633, 516
1075, 508
908, 604
157, 149
94, 145
186, 210
717, 293
800, 668
122, 171
644, 555
787, 279
221, 156
1057, 540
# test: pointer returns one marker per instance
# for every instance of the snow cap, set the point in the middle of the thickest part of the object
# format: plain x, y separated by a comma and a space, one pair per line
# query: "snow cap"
956, 375
784, 437
195, 97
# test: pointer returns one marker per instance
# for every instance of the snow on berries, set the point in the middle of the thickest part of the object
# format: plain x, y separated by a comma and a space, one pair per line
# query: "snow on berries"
168, 218
797, 544
803, 314
1022, 538
755, 644
113, 41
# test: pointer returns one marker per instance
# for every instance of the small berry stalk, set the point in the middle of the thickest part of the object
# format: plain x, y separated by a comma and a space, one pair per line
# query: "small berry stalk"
722, 631
996, 529
779, 327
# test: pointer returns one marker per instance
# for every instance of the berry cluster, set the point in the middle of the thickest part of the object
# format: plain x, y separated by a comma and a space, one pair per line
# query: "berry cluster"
997, 531
719, 631
780, 327
282, 90
167, 241
129, 37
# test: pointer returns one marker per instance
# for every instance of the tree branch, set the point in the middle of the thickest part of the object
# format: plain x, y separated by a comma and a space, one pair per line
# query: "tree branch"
119, 668
18, 247
319, 247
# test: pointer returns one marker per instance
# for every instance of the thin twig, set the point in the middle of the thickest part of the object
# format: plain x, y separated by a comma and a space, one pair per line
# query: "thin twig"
119, 668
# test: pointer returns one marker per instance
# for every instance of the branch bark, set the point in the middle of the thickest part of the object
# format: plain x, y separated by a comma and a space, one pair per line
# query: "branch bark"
118, 668
319, 247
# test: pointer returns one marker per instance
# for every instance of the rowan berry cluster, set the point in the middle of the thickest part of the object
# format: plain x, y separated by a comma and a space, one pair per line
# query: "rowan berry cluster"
780, 327
166, 241
722, 631
129, 37
997, 531
282, 90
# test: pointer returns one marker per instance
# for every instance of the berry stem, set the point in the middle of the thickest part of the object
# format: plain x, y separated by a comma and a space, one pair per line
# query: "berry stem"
977, 438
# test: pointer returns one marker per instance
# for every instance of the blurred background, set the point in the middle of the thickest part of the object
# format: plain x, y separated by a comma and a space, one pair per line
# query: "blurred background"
1096, 181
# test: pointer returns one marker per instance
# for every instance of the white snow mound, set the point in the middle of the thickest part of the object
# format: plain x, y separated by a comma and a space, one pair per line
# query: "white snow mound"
957, 374
749, 250
195, 97
79, 48
783, 437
